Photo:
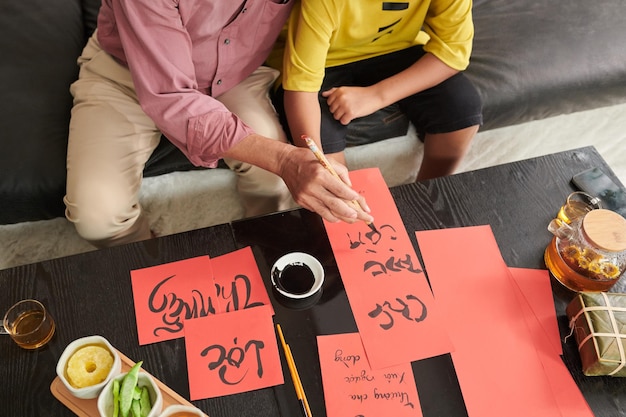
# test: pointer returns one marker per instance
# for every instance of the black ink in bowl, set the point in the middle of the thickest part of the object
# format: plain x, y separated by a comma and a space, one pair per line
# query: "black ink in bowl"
297, 280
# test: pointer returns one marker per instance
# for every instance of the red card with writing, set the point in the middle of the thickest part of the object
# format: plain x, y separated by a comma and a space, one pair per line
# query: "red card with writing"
495, 357
352, 388
238, 281
232, 353
166, 295
393, 306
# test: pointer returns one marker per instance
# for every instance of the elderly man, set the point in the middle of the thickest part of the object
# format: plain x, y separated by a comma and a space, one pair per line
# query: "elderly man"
191, 70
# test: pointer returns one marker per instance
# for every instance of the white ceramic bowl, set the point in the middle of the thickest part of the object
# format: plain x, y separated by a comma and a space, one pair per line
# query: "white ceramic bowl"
308, 295
91, 391
105, 399
179, 408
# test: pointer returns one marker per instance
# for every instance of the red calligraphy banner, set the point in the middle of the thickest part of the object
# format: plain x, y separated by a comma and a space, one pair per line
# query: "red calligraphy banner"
394, 309
504, 358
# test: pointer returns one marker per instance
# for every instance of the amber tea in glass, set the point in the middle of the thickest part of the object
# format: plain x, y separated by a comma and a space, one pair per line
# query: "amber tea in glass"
567, 275
29, 324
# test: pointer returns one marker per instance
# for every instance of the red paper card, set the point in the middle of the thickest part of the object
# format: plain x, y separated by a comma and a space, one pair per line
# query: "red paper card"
166, 295
496, 360
535, 286
352, 388
393, 306
238, 281
232, 353
567, 394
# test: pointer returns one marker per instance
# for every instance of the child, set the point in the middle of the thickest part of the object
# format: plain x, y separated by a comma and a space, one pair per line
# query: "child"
347, 59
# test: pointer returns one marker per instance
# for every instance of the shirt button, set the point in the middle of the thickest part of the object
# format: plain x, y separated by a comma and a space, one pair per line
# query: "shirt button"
219, 82
226, 41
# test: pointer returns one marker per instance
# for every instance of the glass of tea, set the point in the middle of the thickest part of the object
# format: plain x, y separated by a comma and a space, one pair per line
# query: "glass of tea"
29, 324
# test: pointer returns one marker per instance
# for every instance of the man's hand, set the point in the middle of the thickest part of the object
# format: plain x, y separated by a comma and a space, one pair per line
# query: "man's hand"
310, 184
316, 189
349, 103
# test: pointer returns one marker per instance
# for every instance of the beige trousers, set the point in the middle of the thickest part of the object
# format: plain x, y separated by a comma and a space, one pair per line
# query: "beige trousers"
111, 138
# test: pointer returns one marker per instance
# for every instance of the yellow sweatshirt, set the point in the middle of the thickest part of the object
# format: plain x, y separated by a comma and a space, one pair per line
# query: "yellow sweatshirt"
327, 33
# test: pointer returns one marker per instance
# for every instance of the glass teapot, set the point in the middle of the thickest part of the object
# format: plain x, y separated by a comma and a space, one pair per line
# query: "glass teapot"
588, 254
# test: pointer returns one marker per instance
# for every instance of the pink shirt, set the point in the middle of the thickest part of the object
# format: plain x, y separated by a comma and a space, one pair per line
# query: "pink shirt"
182, 53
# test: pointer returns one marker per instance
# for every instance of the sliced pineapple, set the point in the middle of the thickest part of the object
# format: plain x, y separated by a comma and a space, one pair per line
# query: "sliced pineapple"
88, 366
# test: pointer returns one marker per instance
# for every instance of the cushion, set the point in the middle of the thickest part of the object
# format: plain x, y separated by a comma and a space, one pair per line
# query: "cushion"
41, 41
39, 45
534, 59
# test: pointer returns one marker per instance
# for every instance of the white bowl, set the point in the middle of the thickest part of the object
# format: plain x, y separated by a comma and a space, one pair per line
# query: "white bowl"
179, 408
91, 391
105, 399
307, 295
298, 259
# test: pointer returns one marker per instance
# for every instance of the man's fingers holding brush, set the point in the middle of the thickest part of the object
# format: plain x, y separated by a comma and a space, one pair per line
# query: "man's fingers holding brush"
335, 201
315, 188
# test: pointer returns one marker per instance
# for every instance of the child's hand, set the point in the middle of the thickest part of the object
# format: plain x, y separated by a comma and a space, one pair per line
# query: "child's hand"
349, 103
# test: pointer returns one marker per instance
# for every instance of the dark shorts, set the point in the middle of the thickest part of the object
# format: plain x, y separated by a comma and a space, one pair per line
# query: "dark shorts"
452, 105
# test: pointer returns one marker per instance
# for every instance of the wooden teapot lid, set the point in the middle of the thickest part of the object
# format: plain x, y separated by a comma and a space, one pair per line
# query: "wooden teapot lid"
605, 229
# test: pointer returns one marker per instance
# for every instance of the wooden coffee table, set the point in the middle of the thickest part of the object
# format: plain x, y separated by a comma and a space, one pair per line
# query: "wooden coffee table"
90, 293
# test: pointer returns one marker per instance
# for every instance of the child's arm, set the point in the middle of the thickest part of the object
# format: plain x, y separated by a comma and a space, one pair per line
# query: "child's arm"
304, 115
348, 103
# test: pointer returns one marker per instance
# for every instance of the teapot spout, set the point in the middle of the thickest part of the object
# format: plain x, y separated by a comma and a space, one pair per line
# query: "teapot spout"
560, 229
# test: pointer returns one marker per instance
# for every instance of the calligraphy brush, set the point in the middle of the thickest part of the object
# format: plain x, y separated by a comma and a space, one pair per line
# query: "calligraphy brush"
295, 377
326, 164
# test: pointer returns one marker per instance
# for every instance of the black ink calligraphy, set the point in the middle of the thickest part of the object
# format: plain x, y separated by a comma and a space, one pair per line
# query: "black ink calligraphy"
373, 244
175, 310
363, 376
404, 310
401, 396
347, 360
241, 285
233, 359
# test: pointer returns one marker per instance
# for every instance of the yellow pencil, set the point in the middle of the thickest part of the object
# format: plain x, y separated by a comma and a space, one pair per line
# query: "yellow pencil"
303, 399
326, 164
295, 377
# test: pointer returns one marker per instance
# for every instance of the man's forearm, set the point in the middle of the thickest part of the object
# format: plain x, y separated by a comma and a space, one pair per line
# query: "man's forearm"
260, 151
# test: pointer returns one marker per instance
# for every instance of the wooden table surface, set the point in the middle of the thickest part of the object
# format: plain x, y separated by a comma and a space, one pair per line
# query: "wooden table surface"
91, 294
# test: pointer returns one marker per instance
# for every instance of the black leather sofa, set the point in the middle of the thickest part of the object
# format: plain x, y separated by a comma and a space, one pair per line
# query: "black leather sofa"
532, 59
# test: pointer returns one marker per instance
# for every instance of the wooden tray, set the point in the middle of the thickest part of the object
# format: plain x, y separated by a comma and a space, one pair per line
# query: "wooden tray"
89, 408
